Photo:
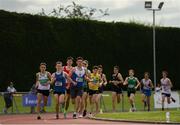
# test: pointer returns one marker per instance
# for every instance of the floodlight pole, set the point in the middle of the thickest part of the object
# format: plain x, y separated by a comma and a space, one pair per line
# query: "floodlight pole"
154, 48
154, 40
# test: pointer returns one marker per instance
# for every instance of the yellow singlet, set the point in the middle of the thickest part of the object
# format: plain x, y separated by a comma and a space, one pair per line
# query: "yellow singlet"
94, 85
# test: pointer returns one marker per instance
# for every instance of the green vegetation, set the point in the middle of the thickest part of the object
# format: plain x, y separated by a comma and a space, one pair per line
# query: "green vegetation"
26, 40
146, 116
107, 100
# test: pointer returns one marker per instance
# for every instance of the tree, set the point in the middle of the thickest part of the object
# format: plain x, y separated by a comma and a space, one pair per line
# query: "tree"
76, 11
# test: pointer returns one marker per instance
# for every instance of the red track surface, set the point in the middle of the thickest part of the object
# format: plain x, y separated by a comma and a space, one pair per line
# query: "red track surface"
50, 119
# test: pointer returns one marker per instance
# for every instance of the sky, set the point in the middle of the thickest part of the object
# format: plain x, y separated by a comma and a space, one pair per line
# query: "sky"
119, 10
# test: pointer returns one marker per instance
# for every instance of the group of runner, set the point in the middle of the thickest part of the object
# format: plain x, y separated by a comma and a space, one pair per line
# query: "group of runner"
80, 85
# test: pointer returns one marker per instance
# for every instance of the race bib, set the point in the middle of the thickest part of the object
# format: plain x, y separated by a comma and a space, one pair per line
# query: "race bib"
130, 86
79, 79
58, 83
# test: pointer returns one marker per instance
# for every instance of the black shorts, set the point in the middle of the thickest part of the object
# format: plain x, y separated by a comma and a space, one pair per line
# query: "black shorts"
59, 93
68, 91
92, 92
43, 92
101, 89
116, 89
131, 91
166, 94
76, 91
86, 89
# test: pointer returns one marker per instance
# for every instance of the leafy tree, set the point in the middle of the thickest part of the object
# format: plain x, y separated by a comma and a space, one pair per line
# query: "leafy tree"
76, 11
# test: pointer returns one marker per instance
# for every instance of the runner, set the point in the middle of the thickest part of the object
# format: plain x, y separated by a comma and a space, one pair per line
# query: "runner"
101, 87
116, 86
59, 81
147, 85
78, 75
133, 83
166, 86
68, 69
43, 86
86, 90
94, 83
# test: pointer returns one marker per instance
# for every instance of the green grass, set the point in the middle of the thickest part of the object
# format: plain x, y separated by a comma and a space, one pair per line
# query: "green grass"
107, 100
147, 116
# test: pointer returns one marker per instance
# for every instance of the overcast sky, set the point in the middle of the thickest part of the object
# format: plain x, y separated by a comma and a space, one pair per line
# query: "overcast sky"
119, 10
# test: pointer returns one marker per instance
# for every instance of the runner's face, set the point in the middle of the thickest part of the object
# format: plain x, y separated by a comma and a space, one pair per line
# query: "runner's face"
100, 70
164, 74
116, 70
79, 62
84, 64
69, 62
59, 67
42, 68
95, 71
131, 73
146, 76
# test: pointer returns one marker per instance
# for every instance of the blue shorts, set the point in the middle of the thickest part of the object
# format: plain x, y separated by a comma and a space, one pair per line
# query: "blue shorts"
146, 92
76, 91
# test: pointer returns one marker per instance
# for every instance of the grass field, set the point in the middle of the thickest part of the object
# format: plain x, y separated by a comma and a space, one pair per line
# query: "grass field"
107, 100
147, 116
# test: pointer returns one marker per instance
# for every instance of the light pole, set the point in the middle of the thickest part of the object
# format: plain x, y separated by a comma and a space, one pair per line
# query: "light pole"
148, 6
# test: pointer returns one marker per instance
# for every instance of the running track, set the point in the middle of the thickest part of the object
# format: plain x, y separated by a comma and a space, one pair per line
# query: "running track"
50, 119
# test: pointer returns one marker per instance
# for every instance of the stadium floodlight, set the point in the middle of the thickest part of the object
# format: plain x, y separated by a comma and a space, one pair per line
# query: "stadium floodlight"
148, 6
161, 5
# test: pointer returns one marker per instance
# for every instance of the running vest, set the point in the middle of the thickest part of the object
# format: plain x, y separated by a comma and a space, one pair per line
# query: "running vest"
132, 82
86, 82
95, 81
60, 82
43, 80
68, 72
115, 78
146, 84
166, 87
79, 76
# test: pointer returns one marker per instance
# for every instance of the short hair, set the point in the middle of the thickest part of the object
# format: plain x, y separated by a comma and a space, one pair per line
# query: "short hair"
70, 58
43, 63
164, 71
59, 62
100, 66
117, 67
95, 67
79, 58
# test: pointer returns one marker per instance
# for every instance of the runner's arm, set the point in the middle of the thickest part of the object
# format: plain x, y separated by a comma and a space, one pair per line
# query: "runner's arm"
125, 82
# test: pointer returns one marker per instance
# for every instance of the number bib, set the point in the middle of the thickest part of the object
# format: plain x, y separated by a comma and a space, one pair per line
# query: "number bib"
79, 79
58, 83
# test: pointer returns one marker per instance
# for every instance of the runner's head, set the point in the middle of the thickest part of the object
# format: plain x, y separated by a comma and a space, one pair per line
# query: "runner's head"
59, 66
131, 72
42, 67
69, 61
100, 68
164, 74
95, 69
116, 69
146, 75
85, 63
79, 61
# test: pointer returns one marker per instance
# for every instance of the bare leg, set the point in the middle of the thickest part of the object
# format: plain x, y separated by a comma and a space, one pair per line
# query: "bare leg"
114, 97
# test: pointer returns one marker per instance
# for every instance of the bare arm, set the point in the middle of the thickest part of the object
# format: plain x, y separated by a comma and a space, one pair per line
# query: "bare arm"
126, 81
69, 78
104, 79
37, 80
138, 84
120, 78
